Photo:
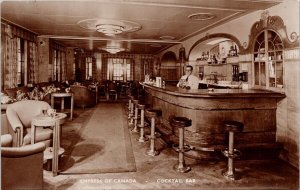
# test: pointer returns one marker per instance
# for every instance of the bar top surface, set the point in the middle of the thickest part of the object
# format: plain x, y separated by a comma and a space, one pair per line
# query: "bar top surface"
216, 93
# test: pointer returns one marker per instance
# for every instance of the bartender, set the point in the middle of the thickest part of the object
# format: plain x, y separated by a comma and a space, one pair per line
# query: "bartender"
188, 81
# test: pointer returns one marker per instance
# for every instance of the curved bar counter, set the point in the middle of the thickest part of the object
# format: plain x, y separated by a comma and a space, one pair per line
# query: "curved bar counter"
208, 110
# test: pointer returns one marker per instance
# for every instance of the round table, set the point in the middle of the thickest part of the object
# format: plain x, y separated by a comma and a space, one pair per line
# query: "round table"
55, 121
63, 95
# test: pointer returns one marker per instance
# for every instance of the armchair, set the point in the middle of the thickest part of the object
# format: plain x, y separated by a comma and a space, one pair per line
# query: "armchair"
19, 116
83, 96
21, 167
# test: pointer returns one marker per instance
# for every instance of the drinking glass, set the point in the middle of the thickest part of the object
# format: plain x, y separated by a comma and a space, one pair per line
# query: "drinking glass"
44, 111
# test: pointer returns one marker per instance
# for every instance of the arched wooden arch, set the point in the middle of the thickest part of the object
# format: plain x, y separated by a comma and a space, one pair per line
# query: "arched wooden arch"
168, 56
218, 35
276, 24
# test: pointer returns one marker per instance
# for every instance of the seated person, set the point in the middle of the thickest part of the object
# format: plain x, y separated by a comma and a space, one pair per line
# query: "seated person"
188, 80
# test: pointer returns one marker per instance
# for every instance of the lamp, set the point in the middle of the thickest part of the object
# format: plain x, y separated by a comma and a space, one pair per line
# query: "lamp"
109, 29
113, 49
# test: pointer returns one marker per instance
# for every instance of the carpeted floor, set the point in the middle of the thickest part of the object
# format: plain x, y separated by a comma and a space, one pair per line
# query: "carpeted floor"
97, 148
156, 172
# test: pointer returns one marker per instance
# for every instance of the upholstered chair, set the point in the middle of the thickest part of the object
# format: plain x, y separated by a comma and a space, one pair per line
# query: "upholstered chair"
19, 117
111, 90
21, 167
83, 96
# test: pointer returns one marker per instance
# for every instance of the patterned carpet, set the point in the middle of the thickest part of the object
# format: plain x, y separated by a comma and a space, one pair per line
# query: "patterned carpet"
98, 141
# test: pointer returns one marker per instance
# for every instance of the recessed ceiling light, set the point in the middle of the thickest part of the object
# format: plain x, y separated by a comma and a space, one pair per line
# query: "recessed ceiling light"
155, 45
201, 16
113, 49
167, 37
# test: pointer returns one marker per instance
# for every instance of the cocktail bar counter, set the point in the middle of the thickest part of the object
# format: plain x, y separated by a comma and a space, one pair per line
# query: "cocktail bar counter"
208, 110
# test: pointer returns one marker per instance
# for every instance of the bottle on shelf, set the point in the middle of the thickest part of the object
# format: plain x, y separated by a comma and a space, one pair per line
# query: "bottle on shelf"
235, 51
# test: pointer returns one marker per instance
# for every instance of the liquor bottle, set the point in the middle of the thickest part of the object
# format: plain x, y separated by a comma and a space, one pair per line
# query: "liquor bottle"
235, 51
231, 51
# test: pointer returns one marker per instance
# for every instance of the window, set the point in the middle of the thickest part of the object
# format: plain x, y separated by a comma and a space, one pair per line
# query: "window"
56, 65
128, 71
268, 60
59, 65
88, 68
21, 72
120, 69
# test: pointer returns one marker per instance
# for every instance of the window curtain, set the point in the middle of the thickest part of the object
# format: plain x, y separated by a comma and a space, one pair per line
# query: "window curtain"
9, 51
104, 75
10, 34
32, 64
58, 58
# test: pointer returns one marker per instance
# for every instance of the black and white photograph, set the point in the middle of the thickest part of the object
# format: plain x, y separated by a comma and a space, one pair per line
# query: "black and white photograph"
150, 94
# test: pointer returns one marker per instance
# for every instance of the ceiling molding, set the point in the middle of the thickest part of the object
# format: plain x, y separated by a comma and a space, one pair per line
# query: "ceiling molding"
110, 39
161, 4
10, 22
223, 20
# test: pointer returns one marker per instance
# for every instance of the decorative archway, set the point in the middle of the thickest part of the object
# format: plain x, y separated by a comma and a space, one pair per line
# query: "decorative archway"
168, 66
218, 35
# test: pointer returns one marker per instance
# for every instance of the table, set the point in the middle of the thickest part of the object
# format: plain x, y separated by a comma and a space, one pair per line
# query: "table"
62, 95
44, 120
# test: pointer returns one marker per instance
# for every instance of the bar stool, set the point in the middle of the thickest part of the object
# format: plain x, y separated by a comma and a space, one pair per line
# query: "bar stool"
131, 114
153, 114
231, 153
141, 106
136, 112
181, 123
129, 106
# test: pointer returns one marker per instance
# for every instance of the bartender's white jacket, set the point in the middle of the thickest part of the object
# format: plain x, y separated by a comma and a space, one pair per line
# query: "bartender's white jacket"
192, 81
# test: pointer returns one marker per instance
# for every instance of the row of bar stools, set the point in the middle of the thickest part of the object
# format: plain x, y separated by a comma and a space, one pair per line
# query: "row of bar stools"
181, 123
129, 106
153, 114
141, 106
131, 109
231, 127
136, 113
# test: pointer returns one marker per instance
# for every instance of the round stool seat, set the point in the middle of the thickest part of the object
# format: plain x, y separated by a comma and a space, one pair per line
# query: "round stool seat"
233, 126
142, 105
153, 112
136, 101
131, 97
180, 122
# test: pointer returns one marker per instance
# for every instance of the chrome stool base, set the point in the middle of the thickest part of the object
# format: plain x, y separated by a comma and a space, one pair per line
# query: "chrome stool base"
142, 139
182, 168
135, 130
230, 175
152, 152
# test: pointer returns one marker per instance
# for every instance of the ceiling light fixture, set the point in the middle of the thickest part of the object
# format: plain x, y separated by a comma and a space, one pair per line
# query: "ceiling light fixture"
109, 29
201, 16
113, 49
155, 45
167, 37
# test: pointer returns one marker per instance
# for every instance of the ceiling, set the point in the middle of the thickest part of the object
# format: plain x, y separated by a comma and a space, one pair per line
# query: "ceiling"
157, 18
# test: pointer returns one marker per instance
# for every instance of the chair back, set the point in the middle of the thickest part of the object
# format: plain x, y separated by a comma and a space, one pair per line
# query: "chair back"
111, 86
22, 167
25, 110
